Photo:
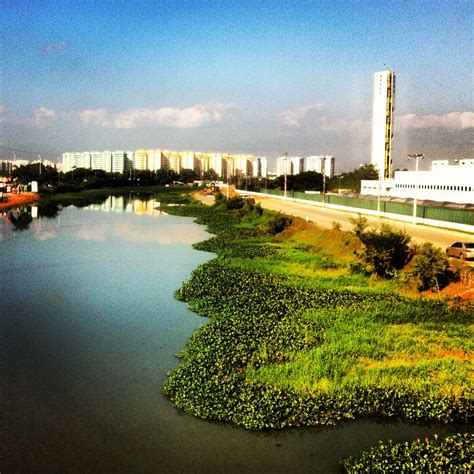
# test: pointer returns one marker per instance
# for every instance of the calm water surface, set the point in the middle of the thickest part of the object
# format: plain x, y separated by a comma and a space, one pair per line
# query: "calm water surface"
88, 330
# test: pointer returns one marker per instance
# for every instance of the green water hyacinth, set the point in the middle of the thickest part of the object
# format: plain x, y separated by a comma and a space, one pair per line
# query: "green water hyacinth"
276, 353
450, 454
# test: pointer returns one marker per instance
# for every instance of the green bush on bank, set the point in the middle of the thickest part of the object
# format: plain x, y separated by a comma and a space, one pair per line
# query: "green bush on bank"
450, 454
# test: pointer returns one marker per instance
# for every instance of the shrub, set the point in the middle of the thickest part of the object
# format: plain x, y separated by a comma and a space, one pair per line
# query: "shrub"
431, 269
279, 223
359, 223
235, 202
385, 251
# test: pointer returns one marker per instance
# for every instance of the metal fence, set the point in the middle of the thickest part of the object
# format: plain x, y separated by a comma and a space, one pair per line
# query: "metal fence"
461, 216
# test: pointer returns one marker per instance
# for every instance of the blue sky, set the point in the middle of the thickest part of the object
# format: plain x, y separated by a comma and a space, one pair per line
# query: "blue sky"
262, 77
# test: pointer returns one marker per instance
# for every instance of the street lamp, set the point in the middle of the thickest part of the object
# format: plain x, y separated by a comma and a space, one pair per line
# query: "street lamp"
323, 169
416, 156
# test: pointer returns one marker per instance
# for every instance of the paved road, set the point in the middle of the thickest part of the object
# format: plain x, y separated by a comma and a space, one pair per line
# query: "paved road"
325, 218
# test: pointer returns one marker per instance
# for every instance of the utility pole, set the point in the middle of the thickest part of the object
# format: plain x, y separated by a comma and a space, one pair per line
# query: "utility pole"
286, 166
417, 157
323, 169
39, 157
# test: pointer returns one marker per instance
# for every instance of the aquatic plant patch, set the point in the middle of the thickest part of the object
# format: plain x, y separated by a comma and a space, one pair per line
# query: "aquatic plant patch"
450, 454
279, 351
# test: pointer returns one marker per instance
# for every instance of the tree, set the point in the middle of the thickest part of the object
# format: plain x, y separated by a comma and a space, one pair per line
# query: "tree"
385, 251
352, 179
187, 176
26, 173
306, 181
431, 269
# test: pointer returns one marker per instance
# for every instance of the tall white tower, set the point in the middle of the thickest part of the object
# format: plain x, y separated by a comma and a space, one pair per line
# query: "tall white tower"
382, 122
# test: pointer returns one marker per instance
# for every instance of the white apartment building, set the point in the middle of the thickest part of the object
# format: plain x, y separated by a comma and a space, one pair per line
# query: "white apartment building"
140, 160
188, 160
154, 160
323, 164
382, 122
217, 163
68, 162
118, 162
289, 165
243, 165
201, 163
259, 167
170, 161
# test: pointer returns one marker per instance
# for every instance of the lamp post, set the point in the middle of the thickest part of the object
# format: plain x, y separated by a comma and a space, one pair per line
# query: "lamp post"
417, 157
378, 195
323, 169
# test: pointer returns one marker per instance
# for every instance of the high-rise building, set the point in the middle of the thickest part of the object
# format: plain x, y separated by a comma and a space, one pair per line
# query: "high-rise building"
188, 160
216, 163
259, 167
201, 163
382, 122
118, 162
140, 160
97, 163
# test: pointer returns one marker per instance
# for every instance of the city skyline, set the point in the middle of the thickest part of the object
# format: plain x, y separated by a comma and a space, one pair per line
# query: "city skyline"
261, 78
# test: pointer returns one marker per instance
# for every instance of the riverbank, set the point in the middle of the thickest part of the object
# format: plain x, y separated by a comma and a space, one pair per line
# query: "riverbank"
295, 339
17, 199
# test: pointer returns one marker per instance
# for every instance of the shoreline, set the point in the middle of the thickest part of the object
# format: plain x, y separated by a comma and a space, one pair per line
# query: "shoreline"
231, 352
13, 200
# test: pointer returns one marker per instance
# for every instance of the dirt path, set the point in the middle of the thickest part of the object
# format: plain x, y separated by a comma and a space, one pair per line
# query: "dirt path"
13, 200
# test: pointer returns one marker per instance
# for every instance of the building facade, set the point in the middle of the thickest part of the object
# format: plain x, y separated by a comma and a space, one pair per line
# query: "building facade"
321, 164
382, 122
445, 182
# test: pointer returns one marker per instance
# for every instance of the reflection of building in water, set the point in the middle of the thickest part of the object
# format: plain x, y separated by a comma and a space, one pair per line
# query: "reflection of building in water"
116, 203
147, 208
129, 204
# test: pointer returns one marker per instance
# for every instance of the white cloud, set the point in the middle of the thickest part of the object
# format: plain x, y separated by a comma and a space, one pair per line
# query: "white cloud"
169, 117
42, 117
450, 121
341, 125
294, 117
95, 117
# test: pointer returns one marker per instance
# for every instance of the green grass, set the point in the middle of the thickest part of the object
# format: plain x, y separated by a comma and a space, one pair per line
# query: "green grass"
360, 349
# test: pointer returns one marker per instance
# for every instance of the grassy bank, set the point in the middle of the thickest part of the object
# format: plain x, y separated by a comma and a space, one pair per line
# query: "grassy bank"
295, 339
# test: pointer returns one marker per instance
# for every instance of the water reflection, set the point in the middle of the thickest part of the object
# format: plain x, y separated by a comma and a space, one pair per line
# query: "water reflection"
19, 218
138, 205
22, 217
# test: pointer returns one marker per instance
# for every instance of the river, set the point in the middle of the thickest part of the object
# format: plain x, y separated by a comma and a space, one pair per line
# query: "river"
88, 330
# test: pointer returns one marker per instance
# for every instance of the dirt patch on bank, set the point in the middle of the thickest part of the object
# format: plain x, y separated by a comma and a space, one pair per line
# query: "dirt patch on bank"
13, 200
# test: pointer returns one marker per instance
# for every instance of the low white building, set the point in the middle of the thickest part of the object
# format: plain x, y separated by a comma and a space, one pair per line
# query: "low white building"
443, 183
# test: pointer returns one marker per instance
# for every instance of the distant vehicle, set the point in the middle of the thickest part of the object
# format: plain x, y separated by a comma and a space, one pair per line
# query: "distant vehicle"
462, 250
